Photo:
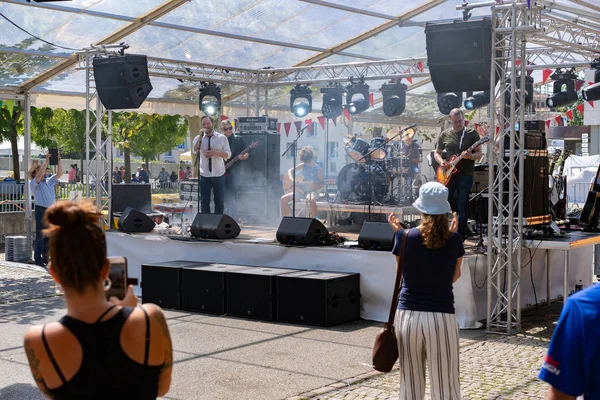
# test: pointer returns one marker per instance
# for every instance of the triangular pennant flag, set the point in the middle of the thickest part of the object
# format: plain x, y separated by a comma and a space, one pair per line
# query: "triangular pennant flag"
287, 126
372, 99
518, 62
591, 103
466, 122
334, 119
298, 126
309, 130
580, 108
590, 83
347, 113
497, 129
420, 66
569, 114
408, 79
579, 84
546, 74
548, 123
558, 120
321, 120
224, 117
279, 128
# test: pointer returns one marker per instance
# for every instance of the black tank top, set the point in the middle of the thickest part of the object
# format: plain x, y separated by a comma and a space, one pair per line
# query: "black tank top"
106, 372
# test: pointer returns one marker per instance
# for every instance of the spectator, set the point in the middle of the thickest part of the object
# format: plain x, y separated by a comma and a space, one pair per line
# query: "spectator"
117, 176
572, 365
143, 176
173, 177
181, 174
163, 177
122, 171
139, 169
134, 179
101, 349
188, 173
72, 174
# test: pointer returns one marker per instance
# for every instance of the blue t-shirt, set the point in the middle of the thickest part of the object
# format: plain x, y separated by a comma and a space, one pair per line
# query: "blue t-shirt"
311, 173
427, 273
572, 364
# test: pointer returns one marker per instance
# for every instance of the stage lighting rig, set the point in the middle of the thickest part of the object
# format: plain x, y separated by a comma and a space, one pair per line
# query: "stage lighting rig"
564, 92
333, 100
299, 107
394, 98
448, 101
357, 97
528, 90
477, 100
592, 92
209, 98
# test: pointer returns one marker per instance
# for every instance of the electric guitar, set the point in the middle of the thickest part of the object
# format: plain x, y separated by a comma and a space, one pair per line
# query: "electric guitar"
444, 174
237, 158
555, 158
559, 208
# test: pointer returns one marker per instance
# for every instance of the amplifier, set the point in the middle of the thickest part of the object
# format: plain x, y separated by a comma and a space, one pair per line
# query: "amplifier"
252, 292
261, 124
318, 298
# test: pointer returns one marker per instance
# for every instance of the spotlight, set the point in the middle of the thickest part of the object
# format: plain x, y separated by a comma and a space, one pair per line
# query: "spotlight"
592, 92
563, 88
357, 97
477, 100
297, 106
528, 91
332, 101
210, 99
448, 101
394, 98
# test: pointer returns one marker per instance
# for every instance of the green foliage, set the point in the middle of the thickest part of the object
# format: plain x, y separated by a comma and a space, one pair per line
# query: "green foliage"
162, 133
11, 126
71, 136
577, 116
43, 127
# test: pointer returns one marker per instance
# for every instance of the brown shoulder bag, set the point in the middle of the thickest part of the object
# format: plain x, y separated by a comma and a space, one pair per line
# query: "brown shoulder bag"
385, 349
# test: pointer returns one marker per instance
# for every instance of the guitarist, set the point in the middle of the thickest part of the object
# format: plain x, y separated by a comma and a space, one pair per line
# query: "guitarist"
237, 144
309, 179
455, 140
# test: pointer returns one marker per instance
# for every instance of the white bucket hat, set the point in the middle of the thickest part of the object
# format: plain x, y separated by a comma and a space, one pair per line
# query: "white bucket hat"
433, 199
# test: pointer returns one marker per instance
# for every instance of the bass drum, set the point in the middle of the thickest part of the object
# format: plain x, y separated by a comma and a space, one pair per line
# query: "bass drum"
353, 183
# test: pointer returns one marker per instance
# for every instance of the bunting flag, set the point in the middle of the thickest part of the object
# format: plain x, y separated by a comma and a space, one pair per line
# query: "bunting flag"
309, 130
298, 126
558, 120
497, 129
590, 83
569, 114
420, 66
580, 108
546, 74
321, 120
579, 84
224, 117
518, 62
466, 122
408, 79
372, 99
347, 113
287, 126
279, 128
547, 123
591, 103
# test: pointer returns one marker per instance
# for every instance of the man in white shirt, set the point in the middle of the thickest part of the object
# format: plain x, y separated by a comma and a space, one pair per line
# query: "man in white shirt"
214, 150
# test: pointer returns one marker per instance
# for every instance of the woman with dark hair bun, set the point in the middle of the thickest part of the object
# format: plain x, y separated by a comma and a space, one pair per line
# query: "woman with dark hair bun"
102, 349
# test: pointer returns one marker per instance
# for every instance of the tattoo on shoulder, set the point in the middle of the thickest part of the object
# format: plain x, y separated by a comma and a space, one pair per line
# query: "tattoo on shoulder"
34, 365
169, 348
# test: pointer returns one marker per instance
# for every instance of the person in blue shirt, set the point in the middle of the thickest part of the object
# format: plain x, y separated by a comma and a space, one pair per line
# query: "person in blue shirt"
572, 365
309, 180
41, 187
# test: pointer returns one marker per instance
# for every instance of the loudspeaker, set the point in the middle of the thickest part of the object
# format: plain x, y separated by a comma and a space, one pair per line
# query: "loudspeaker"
302, 232
133, 220
318, 298
535, 196
376, 236
215, 226
459, 55
204, 288
252, 292
131, 195
122, 81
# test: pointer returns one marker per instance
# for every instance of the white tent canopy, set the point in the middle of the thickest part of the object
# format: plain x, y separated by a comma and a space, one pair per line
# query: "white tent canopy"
6, 150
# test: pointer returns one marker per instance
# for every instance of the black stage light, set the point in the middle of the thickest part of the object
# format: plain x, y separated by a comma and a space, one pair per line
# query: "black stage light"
592, 92
357, 97
477, 100
528, 90
563, 89
299, 107
448, 101
210, 99
333, 98
394, 98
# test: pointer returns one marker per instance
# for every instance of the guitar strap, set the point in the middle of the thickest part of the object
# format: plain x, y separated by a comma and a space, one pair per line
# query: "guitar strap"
460, 143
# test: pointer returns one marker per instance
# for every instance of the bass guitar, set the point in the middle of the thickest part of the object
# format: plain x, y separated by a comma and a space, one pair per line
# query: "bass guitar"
559, 208
444, 174
237, 158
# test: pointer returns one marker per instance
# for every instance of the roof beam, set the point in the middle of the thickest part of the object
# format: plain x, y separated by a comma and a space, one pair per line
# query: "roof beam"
114, 37
350, 9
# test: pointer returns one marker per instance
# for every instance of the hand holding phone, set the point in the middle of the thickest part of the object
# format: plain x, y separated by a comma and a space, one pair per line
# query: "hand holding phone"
118, 278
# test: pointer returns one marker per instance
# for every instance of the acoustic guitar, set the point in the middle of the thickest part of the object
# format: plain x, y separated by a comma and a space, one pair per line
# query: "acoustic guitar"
301, 184
444, 174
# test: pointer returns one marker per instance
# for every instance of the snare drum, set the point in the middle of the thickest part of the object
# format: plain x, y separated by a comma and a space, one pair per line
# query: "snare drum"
381, 152
358, 149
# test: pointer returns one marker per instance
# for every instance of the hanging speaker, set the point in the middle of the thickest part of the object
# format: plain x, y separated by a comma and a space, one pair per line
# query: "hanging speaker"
302, 232
133, 220
122, 81
376, 236
215, 226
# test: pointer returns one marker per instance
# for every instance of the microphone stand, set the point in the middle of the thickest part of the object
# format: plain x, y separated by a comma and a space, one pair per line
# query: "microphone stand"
293, 147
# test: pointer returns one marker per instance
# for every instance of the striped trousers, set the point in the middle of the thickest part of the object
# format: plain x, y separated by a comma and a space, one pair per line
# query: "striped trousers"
428, 338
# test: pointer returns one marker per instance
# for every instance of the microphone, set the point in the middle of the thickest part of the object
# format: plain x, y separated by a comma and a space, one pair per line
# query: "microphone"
410, 127
304, 127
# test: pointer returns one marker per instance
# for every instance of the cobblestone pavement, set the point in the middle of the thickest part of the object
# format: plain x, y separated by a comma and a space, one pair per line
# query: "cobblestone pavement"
492, 366
20, 282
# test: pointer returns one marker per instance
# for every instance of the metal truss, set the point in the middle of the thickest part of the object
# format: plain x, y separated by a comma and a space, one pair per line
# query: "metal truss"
98, 148
257, 100
511, 24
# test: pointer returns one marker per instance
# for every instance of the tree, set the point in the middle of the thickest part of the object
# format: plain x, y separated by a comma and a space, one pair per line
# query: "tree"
72, 135
125, 126
43, 127
11, 126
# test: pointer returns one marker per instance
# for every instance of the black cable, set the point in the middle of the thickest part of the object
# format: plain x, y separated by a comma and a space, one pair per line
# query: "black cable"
37, 37
531, 276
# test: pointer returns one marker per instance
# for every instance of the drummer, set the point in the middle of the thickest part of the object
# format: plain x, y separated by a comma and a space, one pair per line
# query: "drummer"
411, 151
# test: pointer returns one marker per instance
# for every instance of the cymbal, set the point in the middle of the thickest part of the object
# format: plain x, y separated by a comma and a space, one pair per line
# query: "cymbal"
393, 132
408, 134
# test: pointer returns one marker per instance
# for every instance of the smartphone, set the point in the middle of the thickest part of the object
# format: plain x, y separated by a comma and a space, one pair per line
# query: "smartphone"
53, 156
118, 277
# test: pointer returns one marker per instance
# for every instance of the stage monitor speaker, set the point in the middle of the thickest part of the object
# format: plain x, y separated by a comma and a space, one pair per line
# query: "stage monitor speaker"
133, 220
215, 226
252, 292
122, 82
459, 55
302, 232
376, 236
204, 287
318, 298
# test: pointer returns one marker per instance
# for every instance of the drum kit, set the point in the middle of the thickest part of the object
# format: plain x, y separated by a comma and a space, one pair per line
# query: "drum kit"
390, 169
